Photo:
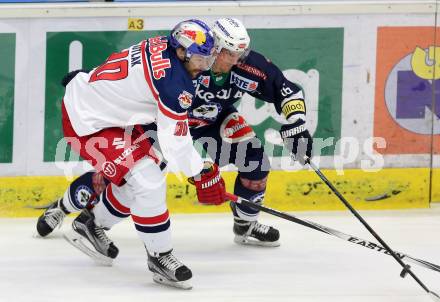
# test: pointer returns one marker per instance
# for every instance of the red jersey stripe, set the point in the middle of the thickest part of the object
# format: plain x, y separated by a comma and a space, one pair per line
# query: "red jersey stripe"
115, 203
151, 220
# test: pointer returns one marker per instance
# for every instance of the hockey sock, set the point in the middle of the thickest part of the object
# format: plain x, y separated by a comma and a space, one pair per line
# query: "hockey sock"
114, 207
257, 196
79, 192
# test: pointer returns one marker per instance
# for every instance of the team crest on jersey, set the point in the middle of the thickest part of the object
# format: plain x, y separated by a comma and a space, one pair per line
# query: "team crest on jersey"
243, 83
185, 99
204, 80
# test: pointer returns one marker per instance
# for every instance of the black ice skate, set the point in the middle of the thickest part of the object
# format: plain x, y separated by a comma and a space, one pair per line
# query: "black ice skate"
52, 217
168, 270
91, 239
253, 232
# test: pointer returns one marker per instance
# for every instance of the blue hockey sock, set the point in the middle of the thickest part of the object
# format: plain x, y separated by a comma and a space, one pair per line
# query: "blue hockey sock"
79, 192
257, 196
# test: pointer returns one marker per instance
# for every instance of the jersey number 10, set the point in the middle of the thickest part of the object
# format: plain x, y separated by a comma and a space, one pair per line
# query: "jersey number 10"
115, 68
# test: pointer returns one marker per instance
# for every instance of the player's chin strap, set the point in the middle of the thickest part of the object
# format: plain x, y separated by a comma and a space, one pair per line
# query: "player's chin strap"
406, 268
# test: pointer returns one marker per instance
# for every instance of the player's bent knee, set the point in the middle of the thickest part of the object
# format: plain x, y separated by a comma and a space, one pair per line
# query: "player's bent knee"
254, 184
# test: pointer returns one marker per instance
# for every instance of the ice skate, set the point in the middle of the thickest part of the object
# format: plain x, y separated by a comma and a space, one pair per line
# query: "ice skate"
253, 232
52, 218
168, 270
91, 239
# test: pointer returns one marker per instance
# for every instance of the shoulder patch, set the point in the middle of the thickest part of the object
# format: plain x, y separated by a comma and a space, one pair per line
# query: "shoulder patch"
185, 99
204, 80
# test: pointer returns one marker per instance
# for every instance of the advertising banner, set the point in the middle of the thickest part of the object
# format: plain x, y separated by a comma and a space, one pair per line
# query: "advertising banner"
311, 63
7, 77
407, 103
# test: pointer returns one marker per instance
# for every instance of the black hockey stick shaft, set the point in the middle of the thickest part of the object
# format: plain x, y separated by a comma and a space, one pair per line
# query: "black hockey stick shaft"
333, 232
406, 268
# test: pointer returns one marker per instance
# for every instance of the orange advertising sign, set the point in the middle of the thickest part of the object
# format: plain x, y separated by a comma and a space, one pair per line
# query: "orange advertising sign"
407, 96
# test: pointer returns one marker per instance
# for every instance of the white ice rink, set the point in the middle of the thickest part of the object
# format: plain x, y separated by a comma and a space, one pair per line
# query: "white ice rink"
308, 267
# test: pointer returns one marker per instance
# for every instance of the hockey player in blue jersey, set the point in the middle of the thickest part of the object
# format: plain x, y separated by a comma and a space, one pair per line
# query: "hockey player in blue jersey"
238, 70
213, 118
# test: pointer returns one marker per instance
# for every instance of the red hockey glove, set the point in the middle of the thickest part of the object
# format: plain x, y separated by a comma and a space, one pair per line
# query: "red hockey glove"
210, 185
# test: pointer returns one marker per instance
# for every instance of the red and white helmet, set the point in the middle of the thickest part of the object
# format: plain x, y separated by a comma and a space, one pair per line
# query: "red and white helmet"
230, 33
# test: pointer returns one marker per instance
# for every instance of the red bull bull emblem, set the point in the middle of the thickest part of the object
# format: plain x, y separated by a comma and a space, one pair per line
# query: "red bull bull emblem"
197, 36
185, 99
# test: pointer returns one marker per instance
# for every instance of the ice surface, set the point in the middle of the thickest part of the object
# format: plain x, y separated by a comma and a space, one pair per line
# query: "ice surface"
308, 267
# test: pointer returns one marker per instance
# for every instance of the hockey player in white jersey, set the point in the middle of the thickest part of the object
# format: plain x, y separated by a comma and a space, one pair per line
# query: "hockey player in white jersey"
148, 84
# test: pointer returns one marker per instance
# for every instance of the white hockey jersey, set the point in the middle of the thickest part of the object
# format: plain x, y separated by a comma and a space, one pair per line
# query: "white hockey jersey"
143, 84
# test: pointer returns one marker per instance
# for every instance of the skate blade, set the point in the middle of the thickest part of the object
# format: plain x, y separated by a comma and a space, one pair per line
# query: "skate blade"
254, 242
77, 241
37, 235
178, 284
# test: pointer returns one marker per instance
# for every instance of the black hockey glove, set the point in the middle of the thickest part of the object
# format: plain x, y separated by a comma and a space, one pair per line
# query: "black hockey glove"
298, 140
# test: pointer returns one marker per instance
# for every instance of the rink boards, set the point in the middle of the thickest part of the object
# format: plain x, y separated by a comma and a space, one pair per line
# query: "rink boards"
287, 191
371, 96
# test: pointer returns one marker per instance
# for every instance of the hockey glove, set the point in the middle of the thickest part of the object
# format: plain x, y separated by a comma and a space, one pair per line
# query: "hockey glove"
210, 185
298, 140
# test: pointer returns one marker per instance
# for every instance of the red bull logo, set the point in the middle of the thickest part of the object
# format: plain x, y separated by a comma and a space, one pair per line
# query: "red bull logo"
197, 36
156, 46
185, 99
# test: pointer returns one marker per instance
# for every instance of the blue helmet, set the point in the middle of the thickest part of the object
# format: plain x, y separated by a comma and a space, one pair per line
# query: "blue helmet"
194, 36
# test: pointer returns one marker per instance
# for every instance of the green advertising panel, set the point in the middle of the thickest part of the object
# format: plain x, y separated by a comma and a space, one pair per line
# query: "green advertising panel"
96, 47
7, 72
306, 49
300, 49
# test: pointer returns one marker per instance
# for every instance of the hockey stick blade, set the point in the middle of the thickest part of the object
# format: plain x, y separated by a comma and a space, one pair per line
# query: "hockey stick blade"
329, 231
434, 296
374, 246
406, 268
41, 207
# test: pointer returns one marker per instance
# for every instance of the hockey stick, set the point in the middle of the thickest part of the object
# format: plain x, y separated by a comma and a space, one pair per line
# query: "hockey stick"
346, 237
329, 231
406, 268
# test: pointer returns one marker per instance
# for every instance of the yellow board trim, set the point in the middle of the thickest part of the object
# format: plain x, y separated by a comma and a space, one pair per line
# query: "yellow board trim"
286, 191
